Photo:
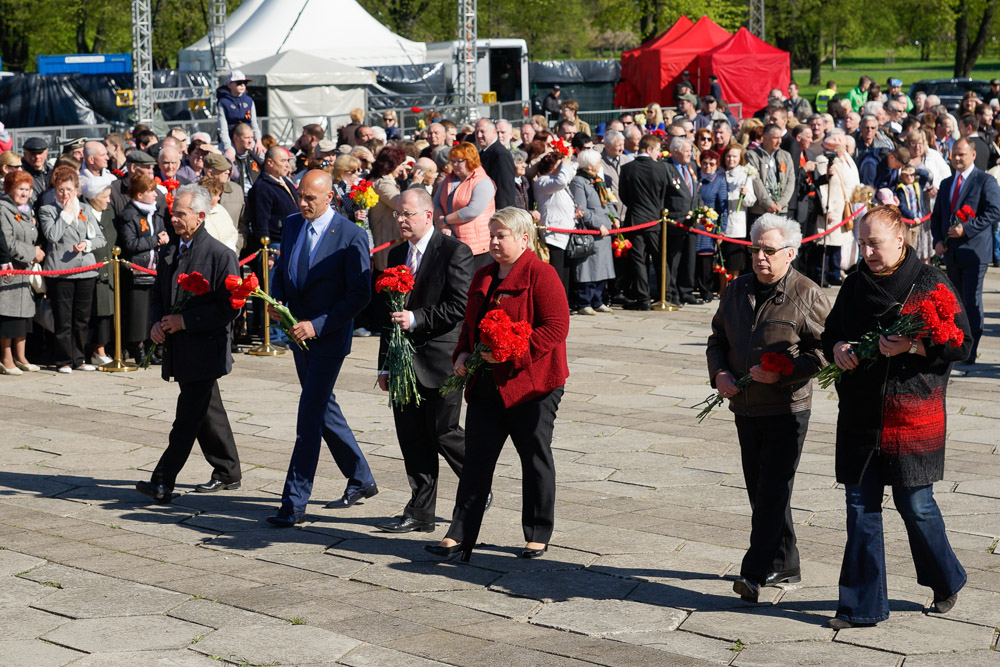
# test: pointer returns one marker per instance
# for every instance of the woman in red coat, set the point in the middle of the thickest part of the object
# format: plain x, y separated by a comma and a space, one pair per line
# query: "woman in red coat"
516, 398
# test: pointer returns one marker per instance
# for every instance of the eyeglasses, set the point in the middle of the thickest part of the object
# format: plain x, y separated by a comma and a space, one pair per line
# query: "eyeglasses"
770, 252
352, 171
457, 161
406, 214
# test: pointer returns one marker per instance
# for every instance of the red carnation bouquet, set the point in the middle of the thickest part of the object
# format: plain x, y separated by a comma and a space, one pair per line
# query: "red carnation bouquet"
397, 282
774, 362
191, 284
960, 217
499, 336
559, 146
240, 290
924, 315
170, 184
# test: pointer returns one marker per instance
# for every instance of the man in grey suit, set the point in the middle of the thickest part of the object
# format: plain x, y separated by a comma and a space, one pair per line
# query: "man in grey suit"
777, 173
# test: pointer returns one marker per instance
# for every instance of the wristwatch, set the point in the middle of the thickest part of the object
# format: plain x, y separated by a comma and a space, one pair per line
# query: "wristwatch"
913, 346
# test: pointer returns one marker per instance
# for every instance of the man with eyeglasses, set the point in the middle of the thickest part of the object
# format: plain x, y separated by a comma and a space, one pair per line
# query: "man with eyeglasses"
442, 267
773, 310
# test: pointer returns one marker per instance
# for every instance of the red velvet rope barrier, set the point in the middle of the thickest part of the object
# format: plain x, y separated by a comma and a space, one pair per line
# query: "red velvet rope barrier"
59, 272
912, 222
596, 232
249, 258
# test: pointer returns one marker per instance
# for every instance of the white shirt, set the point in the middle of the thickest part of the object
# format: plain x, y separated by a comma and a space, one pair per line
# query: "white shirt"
965, 177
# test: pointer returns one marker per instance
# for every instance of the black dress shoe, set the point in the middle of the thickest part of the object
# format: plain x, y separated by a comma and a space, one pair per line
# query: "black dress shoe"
944, 605
534, 553
693, 300
840, 623
792, 576
489, 503
448, 552
747, 590
161, 493
285, 519
351, 497
407, 525
213, 485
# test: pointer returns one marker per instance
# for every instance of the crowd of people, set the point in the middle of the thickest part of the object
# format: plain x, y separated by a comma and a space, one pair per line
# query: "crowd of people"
484, 211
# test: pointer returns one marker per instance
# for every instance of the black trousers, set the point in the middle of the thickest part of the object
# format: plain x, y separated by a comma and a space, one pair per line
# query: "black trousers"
423, 432
487, 425
681, 265
201, 415
558, 261
645, 244
71, 301
770, 448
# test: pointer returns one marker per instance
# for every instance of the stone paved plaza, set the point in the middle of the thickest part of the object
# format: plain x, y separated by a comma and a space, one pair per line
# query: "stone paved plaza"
652, 521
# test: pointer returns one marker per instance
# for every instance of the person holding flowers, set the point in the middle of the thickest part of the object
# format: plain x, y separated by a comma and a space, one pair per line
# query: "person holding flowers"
714, 196
591, 197
891, 425
440, 268
518, 396
196, 346
764, 348
742, 186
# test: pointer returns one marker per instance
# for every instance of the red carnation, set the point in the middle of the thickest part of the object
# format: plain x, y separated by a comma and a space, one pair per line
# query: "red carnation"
395, 279
777, 363
500, 337
416, 110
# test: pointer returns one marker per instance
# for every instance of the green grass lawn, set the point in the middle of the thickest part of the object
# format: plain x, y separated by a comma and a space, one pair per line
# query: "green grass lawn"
907, 66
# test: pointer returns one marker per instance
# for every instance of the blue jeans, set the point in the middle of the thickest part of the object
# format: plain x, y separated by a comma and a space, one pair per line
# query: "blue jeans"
589, 294
863, 594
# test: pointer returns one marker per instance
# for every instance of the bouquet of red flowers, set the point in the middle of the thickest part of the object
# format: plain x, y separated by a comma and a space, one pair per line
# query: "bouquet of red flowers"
620, 245
363, 194
170, 184
560, 147
191, 284
928, 314
498, 336
781, 364
704, 216
240, 290
397, 282
959, 217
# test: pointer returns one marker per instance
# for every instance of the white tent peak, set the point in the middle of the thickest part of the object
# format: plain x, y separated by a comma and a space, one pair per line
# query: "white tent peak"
339, 30
298, 68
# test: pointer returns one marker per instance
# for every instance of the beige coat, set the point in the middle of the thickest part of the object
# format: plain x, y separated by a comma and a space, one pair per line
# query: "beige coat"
381, 218
843, 178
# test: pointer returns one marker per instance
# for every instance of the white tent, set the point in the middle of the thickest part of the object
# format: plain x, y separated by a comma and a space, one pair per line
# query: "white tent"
339, 30
309, 89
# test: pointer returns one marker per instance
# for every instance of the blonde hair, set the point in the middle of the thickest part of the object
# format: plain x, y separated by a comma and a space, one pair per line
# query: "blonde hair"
517, 221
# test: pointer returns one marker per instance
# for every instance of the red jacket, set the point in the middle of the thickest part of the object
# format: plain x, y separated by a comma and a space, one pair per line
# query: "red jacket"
531, 292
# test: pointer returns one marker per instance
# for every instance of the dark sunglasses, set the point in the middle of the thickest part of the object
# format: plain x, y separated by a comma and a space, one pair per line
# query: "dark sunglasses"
754, 249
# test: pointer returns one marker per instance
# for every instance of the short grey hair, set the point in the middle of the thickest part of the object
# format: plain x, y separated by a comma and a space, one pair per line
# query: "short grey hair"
869, 117
519, 156
510, 128
677, 142
92, 148
633, 132
722, 122
872, 108
422, 197
201, 201
791, 233
517, 221
588, 158
612, 136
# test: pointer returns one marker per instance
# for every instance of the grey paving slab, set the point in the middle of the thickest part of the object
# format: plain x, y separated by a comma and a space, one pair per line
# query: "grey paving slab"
367, 655
762, 625
135, 633
916, 633
288, 644
982, 658
564, 585
34, 652
176, 658
807, 654
111, 599
608, 617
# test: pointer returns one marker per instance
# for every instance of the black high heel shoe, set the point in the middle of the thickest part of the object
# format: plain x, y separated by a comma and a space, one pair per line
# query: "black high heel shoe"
534, 553
448, 552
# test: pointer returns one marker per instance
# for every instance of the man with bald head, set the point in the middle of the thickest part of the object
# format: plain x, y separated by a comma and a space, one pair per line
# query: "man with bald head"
95, 161
497, 163
437, 135
323, 275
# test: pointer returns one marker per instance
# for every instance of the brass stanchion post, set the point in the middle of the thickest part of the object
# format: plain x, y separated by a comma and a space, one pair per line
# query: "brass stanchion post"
265, 349
664, 303
117, 365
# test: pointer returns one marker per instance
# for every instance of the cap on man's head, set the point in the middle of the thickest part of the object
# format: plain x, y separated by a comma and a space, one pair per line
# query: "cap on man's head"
995, 82
688, 97
895, 83
884, 196
218, 162
74, 144
141, 158
237, 76
36, 144
324, 146
556, 87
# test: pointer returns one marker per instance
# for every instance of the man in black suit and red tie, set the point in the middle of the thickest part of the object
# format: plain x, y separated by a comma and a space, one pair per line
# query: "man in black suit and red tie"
967, 246
442, 268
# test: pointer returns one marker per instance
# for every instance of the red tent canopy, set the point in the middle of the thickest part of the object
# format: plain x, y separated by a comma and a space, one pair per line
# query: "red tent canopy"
626, 92
747, 68
652, 74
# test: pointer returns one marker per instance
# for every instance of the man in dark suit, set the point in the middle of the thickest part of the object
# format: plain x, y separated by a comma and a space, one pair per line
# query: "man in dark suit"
195, 349
442, 267
497, 163
682, 197
643, 191
323, 275
968, 126
967, 247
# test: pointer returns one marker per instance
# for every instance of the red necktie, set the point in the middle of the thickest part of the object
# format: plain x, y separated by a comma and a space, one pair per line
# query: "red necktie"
958, 190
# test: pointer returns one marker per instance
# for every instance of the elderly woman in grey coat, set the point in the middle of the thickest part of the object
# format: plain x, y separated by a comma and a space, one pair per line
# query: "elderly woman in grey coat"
592, 272
97, 193
17, 303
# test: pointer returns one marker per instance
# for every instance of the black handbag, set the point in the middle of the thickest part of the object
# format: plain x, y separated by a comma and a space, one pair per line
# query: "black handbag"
580, 246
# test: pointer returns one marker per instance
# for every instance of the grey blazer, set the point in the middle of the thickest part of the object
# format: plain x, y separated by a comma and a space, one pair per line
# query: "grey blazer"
61, 235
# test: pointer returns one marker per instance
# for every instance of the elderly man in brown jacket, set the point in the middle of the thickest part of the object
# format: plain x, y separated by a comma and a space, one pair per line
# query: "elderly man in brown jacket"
774, 310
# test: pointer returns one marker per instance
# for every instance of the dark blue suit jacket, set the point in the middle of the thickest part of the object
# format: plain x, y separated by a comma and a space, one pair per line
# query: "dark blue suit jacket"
982, 193
337, 288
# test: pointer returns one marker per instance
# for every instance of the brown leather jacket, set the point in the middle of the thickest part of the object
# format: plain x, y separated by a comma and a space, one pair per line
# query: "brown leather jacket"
791, 322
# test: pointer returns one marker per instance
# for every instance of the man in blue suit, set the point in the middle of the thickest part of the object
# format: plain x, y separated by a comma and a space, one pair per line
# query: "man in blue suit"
967, 247
323, 275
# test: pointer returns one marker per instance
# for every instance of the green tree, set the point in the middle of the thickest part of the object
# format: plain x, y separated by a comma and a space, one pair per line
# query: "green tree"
966, 52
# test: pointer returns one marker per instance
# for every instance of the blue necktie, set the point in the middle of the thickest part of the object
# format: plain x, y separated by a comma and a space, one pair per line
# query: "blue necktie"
305, 250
